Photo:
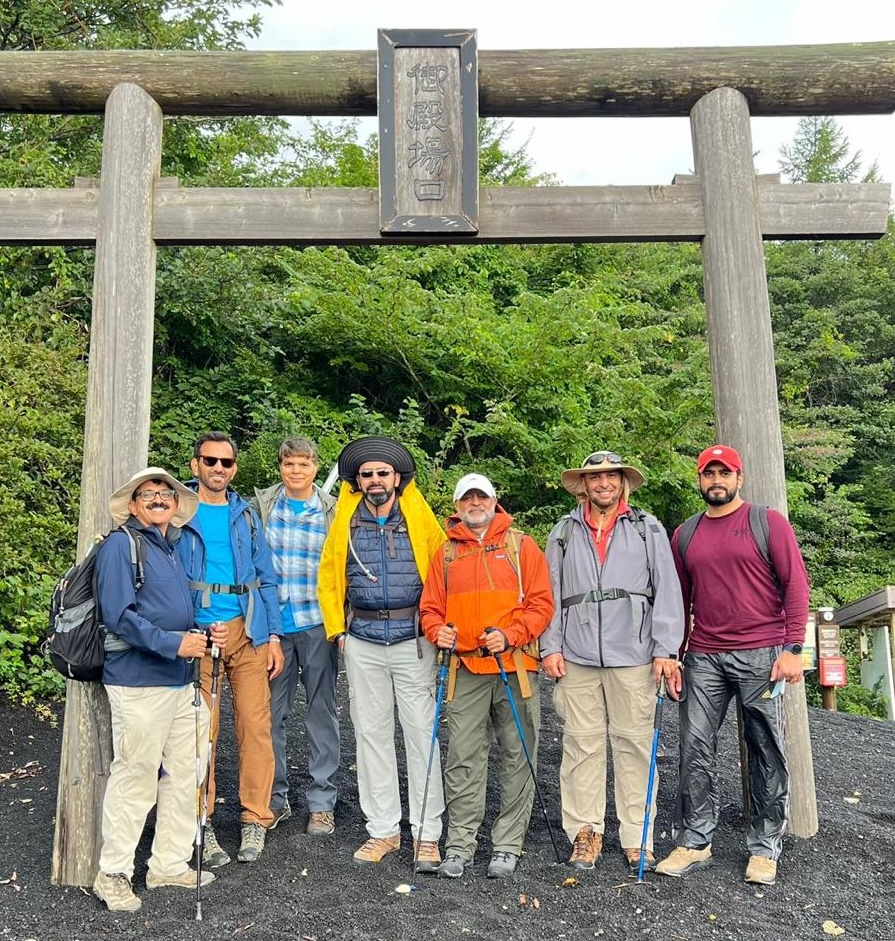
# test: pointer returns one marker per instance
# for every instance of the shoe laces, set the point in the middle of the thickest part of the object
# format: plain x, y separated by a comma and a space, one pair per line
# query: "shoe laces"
253, 834
119, 884
502, 856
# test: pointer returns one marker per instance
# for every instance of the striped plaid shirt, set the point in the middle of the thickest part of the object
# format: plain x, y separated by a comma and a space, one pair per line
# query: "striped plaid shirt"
296, 542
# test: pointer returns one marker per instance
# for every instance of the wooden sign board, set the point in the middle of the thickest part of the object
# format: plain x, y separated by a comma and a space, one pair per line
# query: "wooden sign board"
428, 132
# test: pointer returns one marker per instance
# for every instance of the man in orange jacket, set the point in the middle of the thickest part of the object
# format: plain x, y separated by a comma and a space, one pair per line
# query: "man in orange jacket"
487, 594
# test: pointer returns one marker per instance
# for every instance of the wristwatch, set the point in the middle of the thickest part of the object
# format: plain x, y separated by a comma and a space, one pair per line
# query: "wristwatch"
793, 648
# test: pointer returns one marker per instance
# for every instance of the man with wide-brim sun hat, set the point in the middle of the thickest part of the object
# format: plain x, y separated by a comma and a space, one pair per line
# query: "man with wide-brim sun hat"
148, 673
374, 562
185, 504
616, 629
602, 461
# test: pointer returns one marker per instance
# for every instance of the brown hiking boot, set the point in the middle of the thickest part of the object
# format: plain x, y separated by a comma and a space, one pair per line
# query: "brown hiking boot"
761, 870
586, 849
632, 855
377, 847
428, 858
321, 823
684, 860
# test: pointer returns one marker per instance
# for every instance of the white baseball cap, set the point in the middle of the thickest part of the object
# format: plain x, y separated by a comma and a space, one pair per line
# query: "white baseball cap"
474, 482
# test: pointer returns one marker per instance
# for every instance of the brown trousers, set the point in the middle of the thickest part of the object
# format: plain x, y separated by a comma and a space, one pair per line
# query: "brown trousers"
245, 667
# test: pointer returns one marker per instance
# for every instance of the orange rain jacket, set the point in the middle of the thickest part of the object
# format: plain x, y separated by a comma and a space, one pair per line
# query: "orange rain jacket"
483, 590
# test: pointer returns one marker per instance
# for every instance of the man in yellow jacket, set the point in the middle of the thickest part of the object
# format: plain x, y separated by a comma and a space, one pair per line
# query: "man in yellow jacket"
375, 560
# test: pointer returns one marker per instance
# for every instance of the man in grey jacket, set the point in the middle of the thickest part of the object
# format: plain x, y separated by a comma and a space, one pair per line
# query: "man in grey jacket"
616, 630
297, 515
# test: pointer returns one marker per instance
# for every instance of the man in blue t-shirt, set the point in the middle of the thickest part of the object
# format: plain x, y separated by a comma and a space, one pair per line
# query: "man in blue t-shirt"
233, 581
297, 515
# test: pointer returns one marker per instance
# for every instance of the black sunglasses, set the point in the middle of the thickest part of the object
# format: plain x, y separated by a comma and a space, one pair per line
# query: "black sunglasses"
603, 457
225, 462
382, 472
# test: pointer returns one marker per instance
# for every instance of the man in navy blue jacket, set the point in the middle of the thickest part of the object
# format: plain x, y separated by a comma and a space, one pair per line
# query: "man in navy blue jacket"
147, 675
232, 577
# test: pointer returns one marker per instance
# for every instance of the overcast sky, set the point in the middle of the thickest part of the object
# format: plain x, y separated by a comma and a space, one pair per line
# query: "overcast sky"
632, 150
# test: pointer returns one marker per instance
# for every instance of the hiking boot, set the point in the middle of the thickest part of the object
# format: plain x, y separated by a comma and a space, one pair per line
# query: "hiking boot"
683, 860
253, 835
280, 814
427, 856
586, 849
632, 855
761, 870
321, 823
213, 854
452, 867
502, 865
377, 847
114, 888
183, 880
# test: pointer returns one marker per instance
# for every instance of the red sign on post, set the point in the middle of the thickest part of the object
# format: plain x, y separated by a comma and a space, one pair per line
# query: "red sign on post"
832, 671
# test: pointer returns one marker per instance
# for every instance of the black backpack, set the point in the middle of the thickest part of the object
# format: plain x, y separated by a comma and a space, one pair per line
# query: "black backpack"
75, 641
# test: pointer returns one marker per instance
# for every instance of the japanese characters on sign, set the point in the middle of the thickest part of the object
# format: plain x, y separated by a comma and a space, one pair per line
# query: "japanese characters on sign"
428, 111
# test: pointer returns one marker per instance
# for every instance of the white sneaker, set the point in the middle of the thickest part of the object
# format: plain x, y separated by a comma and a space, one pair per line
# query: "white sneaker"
183, 880
114, 888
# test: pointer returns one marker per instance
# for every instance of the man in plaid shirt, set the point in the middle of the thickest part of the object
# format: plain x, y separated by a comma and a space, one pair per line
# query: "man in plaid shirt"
297, 515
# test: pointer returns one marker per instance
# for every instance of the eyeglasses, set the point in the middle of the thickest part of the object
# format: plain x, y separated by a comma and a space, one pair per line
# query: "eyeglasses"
147, 496
602, 457
382, 472
225, 462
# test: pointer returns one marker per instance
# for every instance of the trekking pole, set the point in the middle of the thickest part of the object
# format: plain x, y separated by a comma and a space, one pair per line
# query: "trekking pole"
657, 729
439, 701
531, 766
202, 785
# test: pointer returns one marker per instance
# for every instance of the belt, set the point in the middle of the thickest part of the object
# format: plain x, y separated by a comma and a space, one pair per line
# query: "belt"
385, 614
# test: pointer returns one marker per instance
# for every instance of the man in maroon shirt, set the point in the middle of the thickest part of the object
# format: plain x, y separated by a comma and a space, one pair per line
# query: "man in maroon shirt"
745, 639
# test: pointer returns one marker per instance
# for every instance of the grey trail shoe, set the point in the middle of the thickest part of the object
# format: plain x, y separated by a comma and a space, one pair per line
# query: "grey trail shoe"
253, 835
114, 888
452, 867
502, 865
213, 854
280, 814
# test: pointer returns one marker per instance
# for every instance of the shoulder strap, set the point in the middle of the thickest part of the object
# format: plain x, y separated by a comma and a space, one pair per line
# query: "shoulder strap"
761, 531
562, 536
138, 555
638, 518
514, 548
685, 535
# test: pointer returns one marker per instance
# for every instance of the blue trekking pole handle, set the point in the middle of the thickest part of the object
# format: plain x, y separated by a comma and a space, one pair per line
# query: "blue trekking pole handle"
657, 728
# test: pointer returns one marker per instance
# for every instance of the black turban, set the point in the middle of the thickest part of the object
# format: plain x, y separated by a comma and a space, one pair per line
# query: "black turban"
376, 448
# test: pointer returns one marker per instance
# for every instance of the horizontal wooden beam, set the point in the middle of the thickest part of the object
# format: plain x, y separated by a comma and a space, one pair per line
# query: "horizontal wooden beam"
335, 216
833, 79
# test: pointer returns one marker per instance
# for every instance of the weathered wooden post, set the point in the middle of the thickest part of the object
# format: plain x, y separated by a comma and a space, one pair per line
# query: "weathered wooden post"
741, 349
116, 435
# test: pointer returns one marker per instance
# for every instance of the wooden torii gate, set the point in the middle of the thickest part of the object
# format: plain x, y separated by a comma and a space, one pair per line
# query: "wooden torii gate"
725, 206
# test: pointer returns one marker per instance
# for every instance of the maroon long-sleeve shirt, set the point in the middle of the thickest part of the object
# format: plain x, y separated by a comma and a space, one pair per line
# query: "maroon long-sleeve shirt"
736, 602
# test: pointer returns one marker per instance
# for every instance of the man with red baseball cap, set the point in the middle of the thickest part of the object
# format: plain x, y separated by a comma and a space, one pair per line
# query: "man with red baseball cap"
723, 455
744, 583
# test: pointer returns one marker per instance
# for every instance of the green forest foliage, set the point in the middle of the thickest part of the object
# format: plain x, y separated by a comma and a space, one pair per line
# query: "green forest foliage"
515, 361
